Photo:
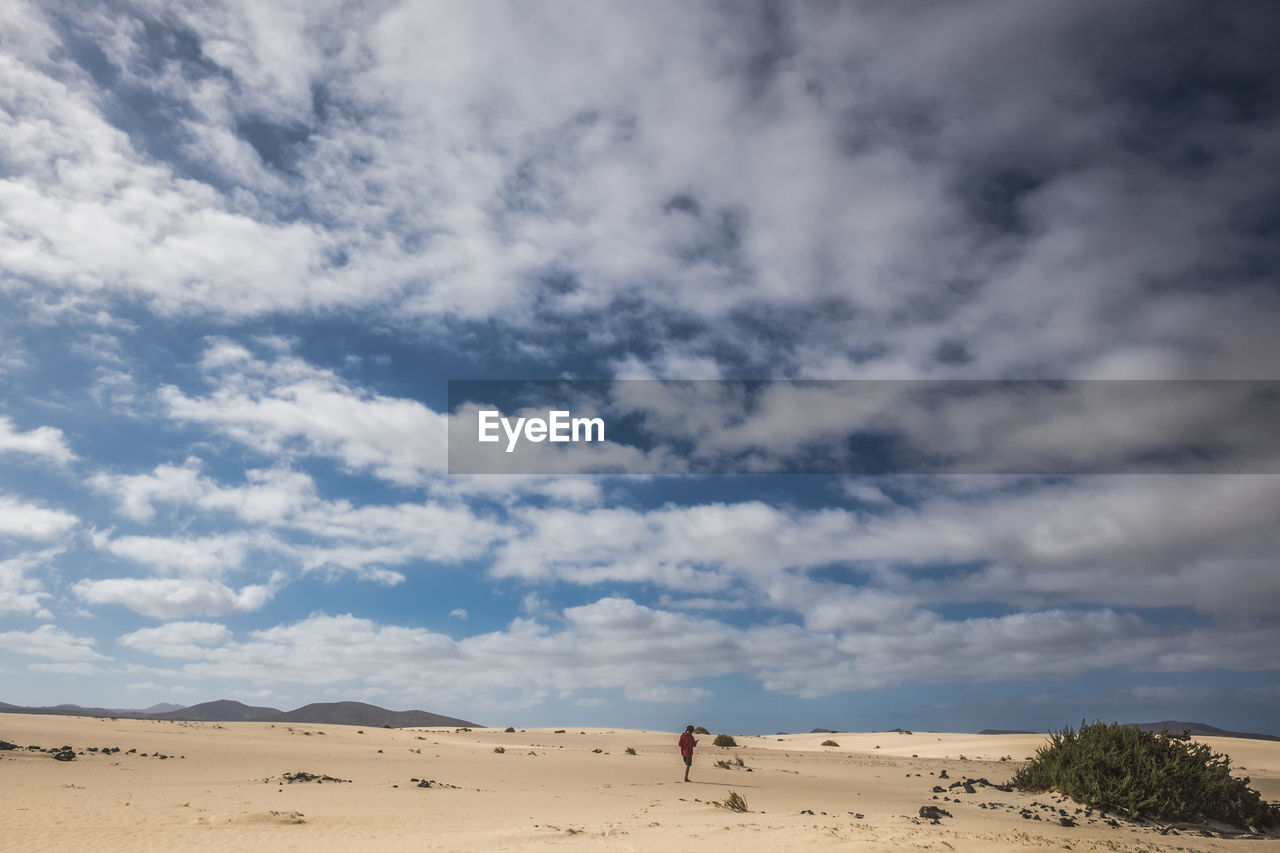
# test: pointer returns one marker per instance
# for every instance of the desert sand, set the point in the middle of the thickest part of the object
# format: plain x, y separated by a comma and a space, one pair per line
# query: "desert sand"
222, 787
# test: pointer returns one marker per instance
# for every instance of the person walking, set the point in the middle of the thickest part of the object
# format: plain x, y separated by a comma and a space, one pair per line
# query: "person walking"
687, 743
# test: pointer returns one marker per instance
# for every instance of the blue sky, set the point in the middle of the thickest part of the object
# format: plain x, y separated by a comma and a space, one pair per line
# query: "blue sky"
243, 248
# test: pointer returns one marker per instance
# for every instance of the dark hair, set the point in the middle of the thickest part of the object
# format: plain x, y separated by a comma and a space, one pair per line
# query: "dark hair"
688, 728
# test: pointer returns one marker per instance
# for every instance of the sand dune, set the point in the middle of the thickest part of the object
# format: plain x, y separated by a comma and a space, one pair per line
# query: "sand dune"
222, 786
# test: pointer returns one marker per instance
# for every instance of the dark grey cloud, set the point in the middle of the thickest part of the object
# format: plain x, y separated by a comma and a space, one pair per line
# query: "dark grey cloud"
979, 188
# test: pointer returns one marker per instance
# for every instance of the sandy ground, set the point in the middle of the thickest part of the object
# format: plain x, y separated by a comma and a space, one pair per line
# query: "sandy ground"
221, 788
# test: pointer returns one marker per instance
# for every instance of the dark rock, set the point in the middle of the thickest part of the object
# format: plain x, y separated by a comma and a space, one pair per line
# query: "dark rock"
5, 745
933, 813
943, 775
64, 754
303, 776
1066, 821
938, 789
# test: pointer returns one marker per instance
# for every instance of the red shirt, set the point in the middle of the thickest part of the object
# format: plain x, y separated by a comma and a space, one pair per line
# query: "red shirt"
687, 743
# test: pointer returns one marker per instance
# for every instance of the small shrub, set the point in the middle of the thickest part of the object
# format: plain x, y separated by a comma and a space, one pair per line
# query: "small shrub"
499, 749
723, 765
829, 743
737, 759
701, 730
631, 750
1163, 777
725, 740
734, 802
509, 729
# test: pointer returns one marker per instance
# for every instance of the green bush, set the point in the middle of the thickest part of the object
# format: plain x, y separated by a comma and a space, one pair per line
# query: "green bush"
734, 802
829, 743
725, 740
1162, 777
701, 730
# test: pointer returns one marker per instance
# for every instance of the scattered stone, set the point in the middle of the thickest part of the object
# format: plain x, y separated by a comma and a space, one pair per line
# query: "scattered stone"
64, 754
943, 775
1066, 821
5, 745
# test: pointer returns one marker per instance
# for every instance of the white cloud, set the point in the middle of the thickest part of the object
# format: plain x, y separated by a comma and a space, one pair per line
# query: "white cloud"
317, 534
52, 643
19, 519
207, 556
19, 592
1154, 541
288, 405
666, 693
174, 598
660, 656
46, 442
177, 639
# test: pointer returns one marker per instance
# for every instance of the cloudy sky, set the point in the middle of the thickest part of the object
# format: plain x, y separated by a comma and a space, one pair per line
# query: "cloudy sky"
244, 246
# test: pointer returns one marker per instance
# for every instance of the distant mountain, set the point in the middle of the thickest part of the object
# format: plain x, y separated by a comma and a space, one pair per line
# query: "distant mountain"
219, 711
824, 731
231, 711
1201, 729
1172, 726
362, 714
70, 711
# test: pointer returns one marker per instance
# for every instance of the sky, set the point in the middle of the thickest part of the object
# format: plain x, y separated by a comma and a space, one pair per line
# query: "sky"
244, 247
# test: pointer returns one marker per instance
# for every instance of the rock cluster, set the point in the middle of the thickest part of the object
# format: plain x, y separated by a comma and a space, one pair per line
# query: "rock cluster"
303, 776
933, 814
